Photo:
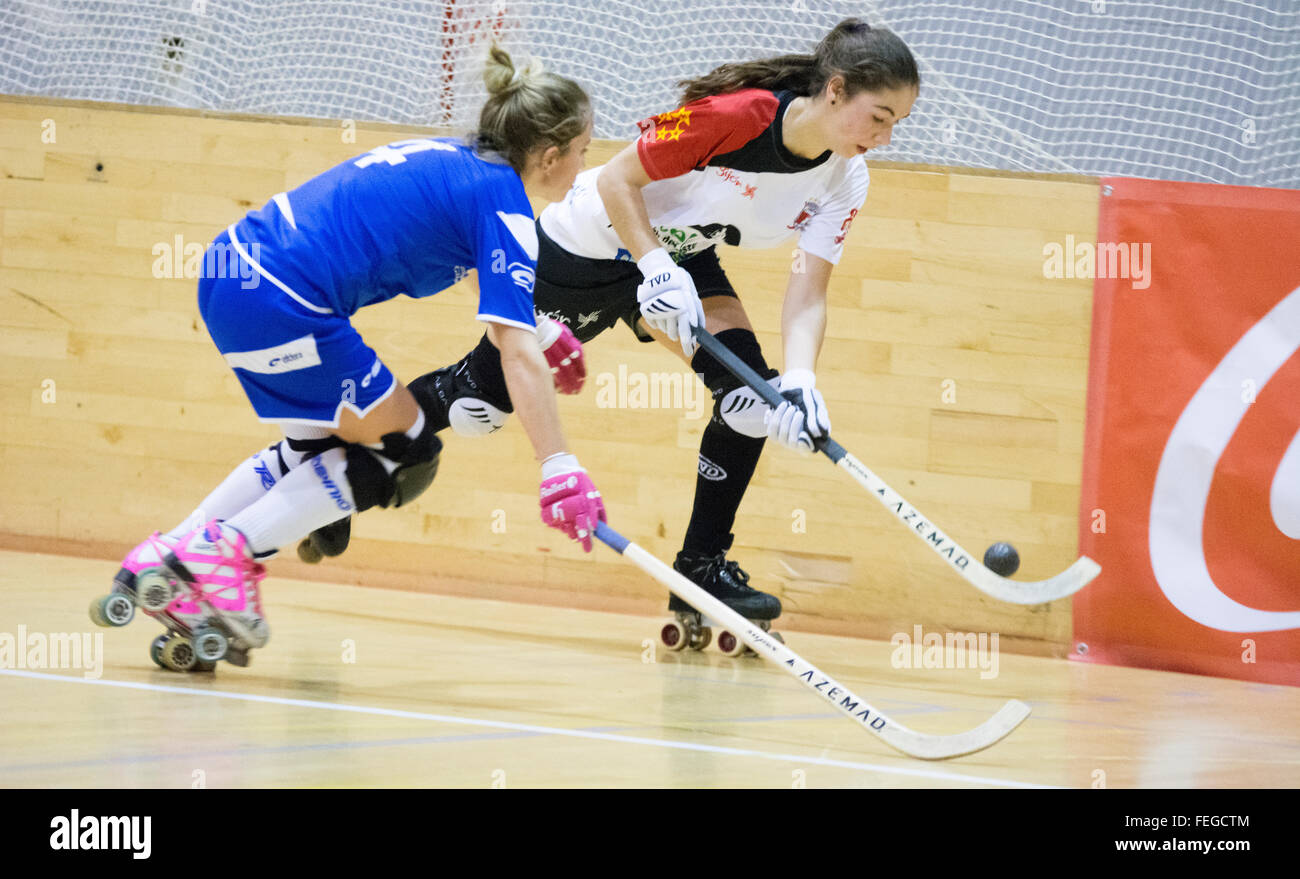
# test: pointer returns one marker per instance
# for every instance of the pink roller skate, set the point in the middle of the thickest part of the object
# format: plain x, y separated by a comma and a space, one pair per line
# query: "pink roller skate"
163, 598
202, 587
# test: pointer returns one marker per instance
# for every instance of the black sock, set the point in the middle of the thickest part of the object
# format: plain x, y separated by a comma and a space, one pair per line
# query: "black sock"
727, 462
727, 459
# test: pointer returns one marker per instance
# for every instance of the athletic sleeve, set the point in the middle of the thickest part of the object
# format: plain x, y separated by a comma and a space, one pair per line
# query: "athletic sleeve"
671, 144
825, 233
507, 268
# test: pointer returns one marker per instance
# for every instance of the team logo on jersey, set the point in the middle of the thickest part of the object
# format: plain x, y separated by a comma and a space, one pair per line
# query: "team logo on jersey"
460, 273
523, 275
585, 319
667, 126
683, 243
844, 227
810, 209
747, 190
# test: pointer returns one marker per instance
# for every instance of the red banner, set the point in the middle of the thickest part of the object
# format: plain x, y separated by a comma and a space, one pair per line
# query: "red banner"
1191, 483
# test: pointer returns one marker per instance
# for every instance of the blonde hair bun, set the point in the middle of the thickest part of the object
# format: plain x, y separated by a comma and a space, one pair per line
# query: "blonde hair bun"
527, 109
502, 77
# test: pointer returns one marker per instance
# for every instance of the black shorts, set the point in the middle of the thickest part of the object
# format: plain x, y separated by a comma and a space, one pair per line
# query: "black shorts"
591, 295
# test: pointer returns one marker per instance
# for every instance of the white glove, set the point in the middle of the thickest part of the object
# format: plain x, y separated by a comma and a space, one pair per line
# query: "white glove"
802, 416
668, 299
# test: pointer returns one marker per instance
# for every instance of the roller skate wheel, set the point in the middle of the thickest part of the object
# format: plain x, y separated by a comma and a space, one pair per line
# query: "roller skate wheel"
730, 645
155, 649
178, 654
118, 609
702, 637
209, 645
673, 635
155, 589
112, 610
308, 552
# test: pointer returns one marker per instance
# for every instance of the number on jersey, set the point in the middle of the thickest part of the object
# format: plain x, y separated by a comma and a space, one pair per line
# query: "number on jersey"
396, 153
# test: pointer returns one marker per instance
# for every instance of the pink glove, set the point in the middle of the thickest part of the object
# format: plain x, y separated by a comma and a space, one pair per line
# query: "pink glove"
564, 354
569, 500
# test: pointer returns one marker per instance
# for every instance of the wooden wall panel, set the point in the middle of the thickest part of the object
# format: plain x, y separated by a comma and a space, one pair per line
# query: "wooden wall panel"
952, 367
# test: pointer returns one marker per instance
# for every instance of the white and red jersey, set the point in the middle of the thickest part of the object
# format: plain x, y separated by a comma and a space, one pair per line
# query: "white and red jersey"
720, 174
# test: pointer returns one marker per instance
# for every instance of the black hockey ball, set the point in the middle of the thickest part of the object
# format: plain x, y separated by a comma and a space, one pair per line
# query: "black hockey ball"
1002, 559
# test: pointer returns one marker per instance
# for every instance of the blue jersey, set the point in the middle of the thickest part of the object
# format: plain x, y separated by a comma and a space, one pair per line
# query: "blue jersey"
410, 218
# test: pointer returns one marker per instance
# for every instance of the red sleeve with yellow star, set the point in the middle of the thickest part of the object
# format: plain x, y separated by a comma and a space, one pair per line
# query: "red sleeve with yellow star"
671, 144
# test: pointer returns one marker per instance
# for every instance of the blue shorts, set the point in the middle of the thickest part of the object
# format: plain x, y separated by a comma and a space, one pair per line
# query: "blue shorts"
298, 362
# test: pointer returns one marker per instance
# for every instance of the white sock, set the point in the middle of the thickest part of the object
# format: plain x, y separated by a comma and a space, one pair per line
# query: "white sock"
251, 479
306, 498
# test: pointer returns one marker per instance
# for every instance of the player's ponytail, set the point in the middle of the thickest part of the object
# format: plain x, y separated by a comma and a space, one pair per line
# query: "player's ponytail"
869, 59
528, 108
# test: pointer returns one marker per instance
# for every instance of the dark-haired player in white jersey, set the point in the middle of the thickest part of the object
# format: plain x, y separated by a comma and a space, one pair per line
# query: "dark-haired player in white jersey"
758, 152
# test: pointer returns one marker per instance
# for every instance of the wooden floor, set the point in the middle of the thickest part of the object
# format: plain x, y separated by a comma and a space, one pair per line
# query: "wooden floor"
453, 692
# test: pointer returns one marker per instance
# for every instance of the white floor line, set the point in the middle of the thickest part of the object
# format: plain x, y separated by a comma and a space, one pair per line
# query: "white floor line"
526, 727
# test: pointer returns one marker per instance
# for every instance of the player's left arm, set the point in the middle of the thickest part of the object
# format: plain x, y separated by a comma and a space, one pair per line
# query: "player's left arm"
803, 317
803, 415
803, 313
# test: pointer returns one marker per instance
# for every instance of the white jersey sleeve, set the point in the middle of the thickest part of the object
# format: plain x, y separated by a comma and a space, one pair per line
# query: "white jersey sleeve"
824, 235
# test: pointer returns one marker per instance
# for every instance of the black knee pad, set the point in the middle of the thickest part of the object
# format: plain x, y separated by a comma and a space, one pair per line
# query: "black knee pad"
417, 464
734, 404
470, 397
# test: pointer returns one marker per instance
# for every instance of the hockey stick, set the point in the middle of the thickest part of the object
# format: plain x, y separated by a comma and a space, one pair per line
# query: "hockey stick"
894, 734
1068, 582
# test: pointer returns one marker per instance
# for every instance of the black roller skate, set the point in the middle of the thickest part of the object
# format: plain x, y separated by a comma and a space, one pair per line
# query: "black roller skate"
724, 580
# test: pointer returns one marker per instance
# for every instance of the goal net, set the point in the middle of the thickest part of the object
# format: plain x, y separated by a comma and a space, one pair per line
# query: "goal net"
1175, 89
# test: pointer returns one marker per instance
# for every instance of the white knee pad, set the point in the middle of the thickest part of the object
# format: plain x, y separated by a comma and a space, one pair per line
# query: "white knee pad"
470, 416
744, 411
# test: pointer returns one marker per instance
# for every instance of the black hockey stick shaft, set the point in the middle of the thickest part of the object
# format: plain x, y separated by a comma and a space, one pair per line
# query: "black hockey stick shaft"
742, 370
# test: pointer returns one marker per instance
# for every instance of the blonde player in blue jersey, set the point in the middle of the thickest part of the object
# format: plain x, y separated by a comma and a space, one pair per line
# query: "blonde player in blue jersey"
410, 218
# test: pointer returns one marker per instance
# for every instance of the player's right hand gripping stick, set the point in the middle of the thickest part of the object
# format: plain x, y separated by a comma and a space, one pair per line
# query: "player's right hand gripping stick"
669, 302
569, 500
563, 354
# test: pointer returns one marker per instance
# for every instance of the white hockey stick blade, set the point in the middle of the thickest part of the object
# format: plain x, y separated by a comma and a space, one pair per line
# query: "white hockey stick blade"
894, 734
1066, 583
